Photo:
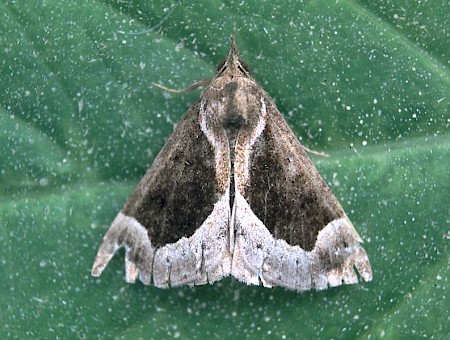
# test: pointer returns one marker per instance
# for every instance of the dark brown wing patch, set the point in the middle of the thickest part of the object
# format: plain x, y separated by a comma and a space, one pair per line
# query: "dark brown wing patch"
159, 201
286, 191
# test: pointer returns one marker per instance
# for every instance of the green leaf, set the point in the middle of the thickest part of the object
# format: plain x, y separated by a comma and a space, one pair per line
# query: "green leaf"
366, 81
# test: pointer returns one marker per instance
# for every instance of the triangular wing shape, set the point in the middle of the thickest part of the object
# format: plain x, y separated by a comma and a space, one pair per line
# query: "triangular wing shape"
178, 240
290, 230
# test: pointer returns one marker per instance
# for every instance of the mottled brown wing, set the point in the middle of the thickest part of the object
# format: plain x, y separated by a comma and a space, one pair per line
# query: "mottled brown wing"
290, 229
175, 225
301, 203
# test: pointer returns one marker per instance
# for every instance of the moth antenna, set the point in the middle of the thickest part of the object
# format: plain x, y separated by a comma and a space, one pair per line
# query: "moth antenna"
190, 88
316, 153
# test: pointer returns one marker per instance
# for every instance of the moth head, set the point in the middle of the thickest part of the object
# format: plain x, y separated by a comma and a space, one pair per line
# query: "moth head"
233, 64
243, 67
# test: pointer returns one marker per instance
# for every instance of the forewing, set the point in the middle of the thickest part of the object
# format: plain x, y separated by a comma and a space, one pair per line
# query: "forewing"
290, 229
175, 223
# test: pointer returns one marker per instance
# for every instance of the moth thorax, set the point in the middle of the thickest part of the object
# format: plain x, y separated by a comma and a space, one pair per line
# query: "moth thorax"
233, 121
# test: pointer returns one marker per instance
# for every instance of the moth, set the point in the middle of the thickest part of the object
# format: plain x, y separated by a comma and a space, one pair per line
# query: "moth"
233, 192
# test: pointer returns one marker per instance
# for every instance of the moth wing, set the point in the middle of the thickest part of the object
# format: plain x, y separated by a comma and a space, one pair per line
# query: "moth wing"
175, 225
290, 230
